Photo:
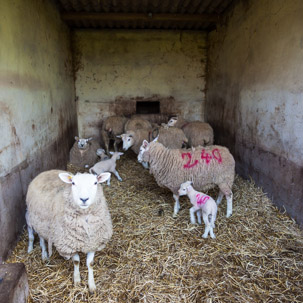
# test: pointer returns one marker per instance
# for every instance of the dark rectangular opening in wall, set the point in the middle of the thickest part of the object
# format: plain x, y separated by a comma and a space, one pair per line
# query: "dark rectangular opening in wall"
148, 107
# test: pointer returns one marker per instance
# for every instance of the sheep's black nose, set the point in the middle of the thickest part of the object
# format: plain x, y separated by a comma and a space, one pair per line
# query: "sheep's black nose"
83, 200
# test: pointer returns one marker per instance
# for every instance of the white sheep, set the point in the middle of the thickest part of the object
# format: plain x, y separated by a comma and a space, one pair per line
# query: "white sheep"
201, 203
73, 215
172, 138
197, 132
205, 166
112, 127
137, 123
83, 152
107, 166
101, 154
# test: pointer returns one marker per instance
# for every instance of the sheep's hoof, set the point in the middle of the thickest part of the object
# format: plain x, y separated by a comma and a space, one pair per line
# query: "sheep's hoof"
204, 236
120, 179
175, 215
228, 215
92, 289
213, 236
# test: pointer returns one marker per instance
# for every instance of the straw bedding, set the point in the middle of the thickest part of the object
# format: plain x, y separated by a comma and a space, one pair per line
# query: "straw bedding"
257, 255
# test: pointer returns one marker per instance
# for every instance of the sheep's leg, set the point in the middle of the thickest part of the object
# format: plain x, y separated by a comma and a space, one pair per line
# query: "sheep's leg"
207, 225
105, 140
229, 199
76, 261
108, 180
211, 227
225, 189
89, 264
43, 248
192, 215
115, 146
177, 205
219, 199
30, 239
145, 164
117, 175
199, 216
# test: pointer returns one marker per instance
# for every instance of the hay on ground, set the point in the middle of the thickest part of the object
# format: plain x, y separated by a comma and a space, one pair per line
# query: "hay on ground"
152, 257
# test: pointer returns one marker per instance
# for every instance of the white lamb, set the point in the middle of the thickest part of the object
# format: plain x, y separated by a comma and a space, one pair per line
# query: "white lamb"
73, 215
201, 203
107, 166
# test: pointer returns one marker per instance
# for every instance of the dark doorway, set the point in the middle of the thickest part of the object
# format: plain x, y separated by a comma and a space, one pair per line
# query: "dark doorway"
148, 107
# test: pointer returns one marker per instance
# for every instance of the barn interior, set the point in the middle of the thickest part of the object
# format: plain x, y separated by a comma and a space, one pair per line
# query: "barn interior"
71, 63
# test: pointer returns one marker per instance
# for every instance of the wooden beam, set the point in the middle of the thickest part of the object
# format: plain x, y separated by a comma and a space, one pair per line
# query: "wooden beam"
81, 16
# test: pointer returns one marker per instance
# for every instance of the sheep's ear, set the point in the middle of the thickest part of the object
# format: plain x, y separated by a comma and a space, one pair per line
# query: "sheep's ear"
156, 139
66, 177
144, 144
103, 177
111, 153
118, 136
77, 138
89, 139
120, 154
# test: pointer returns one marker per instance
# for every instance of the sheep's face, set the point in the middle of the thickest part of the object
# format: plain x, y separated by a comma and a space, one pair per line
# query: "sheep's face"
84, 187
183, 188
128, 141
172, 122
83, 143
143, 155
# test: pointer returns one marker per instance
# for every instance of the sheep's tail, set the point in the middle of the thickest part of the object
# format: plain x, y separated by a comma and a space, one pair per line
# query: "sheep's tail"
50, 248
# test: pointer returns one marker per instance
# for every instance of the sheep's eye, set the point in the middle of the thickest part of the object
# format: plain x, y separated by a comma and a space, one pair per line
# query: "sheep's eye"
73, 183
96, 183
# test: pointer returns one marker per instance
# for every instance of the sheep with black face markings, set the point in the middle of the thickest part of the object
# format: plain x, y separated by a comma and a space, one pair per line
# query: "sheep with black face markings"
197, 132
70, 213
205, 166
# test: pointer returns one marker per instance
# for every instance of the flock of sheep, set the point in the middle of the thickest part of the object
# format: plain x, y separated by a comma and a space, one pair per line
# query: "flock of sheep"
70, 211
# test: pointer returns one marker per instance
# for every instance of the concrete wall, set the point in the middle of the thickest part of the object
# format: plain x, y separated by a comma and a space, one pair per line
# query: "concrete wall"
37, 107
255, 95
116, 68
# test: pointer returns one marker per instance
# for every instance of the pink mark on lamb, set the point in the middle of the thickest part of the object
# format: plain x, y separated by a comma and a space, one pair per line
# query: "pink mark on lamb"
188, 165
201, 199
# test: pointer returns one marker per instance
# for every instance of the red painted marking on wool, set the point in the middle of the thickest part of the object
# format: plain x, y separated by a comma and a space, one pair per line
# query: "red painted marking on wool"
205, 156
217, 155
188, 165
201, 199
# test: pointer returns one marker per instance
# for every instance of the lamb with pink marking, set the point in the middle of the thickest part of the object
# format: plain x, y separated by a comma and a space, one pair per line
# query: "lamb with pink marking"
202, 203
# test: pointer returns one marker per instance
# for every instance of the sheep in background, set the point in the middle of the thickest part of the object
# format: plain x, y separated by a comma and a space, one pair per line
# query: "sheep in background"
197, 132
171, 138
107, 166
201, 203
101, 154
205, 166
83, 152
70, 213
136, 123
111, 128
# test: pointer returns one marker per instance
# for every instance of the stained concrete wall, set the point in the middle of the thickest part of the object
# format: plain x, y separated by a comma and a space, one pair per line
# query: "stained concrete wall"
255, 95
37, 107
116, 68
